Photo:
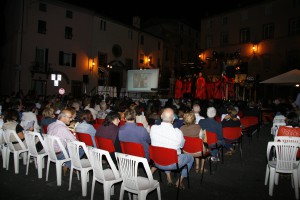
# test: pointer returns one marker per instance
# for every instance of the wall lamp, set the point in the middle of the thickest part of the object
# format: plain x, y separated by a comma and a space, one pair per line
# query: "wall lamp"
254, 48
91, 65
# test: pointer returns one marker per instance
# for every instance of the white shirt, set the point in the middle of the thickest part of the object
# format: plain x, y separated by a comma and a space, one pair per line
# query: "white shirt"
165, 135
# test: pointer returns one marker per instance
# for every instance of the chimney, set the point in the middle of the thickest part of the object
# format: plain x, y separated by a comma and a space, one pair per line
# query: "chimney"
136, 22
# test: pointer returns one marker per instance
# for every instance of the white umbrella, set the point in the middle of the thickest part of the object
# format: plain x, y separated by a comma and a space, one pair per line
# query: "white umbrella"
289, 78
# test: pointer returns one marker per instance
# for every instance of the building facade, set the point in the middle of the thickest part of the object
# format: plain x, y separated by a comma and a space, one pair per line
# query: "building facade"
48, 42
260, 40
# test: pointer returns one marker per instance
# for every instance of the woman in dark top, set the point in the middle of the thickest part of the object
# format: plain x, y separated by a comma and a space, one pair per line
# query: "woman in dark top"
109, 129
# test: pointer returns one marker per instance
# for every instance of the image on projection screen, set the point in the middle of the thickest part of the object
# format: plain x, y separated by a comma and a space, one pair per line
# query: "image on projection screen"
142, 80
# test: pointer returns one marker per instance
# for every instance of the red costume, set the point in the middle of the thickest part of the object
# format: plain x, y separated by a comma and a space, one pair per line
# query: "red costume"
200, 88
178, 89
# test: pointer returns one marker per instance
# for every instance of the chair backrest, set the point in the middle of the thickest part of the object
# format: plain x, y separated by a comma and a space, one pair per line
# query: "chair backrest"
31, 139
97, 156
105, 144
288, 131
232, 133
99, 121
45, 128
248, 121
122, 122
212, 138
285, 155
139, 124
73, 148
287, 139
128, 167
11, 137
85, 137
162, 155
193, 144
50, 142
132, 148
96, 126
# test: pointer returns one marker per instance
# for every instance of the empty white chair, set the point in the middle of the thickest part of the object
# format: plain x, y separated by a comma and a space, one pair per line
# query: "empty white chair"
31, 139
82, 165
50, 141
283, 161
108, 177
16, 146
3, 148
140, 185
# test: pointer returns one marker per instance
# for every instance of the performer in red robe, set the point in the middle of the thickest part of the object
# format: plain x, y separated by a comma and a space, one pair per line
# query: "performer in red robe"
200, 87
184, 86
178, 88
189, 87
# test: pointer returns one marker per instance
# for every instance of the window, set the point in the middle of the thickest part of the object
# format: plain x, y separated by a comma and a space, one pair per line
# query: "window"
224, 39
43, 7
142, 58
128, 63
294, 26
69, 14
68, 33
268, 31
102, 25
102, 59
244, 35
67, 59
41, 59
142, 39
42, 27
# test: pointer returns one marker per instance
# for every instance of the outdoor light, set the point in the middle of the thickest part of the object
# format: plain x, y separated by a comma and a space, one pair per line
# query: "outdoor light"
254, 48
91, 65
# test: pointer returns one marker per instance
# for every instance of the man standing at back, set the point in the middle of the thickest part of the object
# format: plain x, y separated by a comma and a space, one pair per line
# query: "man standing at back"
165, 135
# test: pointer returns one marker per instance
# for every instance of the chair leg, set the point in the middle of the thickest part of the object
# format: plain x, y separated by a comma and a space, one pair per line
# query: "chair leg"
40, 166
27, 166
122, 192
271, 181
4, 153
158, 193
296, 184
267, 174
70, 181
84, 179
58, 173
93, 188
16, 162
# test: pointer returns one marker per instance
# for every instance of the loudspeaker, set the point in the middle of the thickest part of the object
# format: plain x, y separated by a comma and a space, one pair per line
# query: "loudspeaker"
85, 78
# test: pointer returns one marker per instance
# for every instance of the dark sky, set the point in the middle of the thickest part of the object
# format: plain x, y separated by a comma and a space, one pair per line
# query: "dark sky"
186, 9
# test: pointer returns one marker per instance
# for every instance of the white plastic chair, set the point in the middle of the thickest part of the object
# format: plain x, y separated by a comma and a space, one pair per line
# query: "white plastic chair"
128, 168
15, 146
31, 139
50, 141
288, 139
284, 161
82, 165
3, 148
108, 177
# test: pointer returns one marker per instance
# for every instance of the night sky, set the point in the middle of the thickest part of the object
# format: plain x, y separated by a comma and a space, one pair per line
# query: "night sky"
185, 10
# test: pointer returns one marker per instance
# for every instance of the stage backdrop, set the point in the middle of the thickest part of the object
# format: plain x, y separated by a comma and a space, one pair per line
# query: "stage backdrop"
142, 80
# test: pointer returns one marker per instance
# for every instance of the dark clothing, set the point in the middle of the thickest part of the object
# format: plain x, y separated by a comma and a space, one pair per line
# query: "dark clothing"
212, 125
231, 123
110, 132
130, 132
251, 112
46, 121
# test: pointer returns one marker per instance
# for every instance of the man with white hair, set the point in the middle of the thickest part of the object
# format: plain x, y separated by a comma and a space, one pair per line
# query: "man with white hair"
165, 135
210, 124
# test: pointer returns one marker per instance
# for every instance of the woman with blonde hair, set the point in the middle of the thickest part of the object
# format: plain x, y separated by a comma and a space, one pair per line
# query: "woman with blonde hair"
190, 129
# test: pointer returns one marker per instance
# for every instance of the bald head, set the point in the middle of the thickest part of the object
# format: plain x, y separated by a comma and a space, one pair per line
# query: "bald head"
167, 115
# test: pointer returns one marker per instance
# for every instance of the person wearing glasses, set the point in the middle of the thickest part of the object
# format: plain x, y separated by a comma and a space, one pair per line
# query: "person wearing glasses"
60, 129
